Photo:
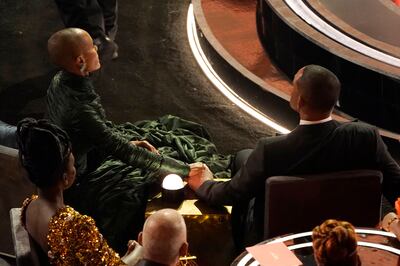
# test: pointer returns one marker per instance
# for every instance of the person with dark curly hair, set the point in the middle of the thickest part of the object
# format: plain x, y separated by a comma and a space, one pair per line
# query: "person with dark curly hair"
335, 243
66, 236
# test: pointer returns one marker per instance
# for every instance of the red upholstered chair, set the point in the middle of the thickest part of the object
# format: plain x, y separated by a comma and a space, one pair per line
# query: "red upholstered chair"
299, 203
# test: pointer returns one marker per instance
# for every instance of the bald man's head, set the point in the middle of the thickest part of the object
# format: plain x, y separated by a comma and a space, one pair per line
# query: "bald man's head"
164, 237
65, 46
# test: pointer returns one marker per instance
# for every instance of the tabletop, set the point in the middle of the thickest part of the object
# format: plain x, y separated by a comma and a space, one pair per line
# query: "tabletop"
375, 247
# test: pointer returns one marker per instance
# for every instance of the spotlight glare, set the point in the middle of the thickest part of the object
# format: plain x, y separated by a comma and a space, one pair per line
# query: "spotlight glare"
172, 182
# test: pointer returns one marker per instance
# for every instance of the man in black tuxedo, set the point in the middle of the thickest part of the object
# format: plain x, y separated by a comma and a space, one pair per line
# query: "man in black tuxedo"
317, 145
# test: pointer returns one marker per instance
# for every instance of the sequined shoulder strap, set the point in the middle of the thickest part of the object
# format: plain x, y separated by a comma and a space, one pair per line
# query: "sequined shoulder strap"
25, 204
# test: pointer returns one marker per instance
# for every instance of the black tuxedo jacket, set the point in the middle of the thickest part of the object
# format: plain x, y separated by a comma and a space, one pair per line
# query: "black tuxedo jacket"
308, 149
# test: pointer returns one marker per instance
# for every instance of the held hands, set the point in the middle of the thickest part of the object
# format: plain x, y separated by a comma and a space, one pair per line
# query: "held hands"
199, 173
144, 144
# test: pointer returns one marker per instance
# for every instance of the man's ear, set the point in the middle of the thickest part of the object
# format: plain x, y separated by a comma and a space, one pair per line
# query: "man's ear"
183, 249
140, 238
300, 103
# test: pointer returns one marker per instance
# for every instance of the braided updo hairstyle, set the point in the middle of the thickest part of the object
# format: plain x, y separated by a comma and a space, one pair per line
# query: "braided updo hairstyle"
335, 243
44, 150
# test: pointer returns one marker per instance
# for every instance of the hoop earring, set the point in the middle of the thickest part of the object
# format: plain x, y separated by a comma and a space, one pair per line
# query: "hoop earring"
82, 68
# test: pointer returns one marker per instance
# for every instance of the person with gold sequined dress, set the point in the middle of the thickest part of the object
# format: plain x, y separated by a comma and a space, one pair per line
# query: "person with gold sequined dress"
65, 235
114, 191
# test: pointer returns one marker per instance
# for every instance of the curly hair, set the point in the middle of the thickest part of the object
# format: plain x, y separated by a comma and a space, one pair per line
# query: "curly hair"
335, 243
44, 150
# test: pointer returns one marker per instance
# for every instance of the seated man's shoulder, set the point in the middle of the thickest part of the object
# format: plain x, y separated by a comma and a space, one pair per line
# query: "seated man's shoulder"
356, 128
272, 140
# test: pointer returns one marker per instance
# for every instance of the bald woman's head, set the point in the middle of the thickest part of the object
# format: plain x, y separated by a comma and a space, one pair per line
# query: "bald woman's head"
73, 50
164, 237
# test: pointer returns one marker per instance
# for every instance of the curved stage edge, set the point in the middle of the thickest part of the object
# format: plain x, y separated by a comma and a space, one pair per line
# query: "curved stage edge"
266, 101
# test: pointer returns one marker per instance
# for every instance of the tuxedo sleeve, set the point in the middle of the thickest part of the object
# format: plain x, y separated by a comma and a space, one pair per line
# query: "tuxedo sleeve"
243, 185
390, 170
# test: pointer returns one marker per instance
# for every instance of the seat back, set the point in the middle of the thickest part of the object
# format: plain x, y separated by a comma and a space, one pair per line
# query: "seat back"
14, 188
27, 252
297, 204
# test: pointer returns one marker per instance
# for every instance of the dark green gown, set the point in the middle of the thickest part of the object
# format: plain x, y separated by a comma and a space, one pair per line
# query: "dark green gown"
115, 190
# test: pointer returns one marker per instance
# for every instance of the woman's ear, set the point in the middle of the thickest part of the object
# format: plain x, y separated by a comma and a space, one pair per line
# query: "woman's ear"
80, 60
65, 180
81, 63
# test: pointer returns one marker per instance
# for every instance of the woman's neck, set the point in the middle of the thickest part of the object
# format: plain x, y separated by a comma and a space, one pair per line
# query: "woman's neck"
53, 196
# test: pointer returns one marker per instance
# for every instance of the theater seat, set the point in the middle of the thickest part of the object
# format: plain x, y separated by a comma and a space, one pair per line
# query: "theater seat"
27, 252
14, 188
298, 203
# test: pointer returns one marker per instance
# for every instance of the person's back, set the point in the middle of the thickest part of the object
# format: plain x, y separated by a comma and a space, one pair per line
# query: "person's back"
323, 148
70, 101
163, 238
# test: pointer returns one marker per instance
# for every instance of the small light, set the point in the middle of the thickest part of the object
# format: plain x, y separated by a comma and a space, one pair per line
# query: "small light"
172, 182
172, 188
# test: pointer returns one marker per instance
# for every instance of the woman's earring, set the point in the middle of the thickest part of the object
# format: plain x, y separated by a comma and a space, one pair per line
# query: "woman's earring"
83, 68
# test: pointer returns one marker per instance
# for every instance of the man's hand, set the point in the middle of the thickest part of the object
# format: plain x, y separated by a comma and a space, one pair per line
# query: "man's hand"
144, 144
199, 173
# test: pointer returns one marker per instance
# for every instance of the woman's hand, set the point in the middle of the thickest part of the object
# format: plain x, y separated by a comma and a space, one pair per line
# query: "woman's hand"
144, 144
133, 254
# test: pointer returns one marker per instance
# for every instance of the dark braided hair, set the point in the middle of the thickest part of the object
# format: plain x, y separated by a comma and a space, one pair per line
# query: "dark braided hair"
44, 150
335, 243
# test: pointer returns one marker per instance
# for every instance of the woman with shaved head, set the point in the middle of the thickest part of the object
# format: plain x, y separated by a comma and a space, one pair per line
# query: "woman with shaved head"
114, 191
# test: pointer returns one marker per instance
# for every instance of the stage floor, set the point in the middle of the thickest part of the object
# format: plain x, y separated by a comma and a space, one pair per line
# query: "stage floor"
233, 23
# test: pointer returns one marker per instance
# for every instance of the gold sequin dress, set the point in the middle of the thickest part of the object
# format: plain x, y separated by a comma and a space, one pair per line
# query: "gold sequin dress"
74, 239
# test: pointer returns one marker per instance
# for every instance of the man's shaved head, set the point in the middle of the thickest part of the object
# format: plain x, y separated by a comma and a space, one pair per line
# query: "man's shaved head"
66, 45
164, 234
